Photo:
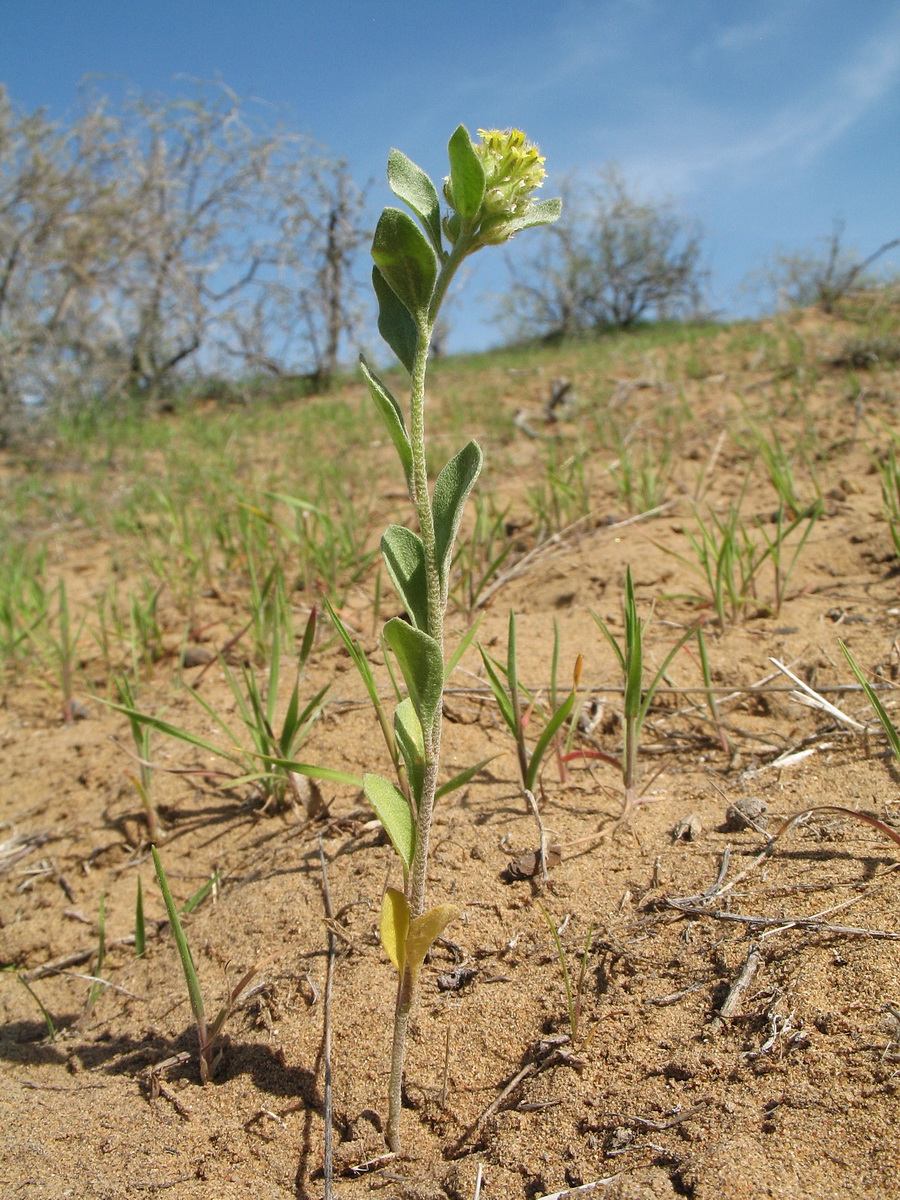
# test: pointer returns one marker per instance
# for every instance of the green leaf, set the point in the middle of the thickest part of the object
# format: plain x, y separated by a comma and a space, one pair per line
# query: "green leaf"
405, 259
410, 184
329, 774
466, 175
404, 557
463, 646
309, 637
393, 811
140, 927
394, 927
392, 415
547, 735
451, 490
872, 696
422, 664
355, 651
462, 778
395, 324
541, 212
500, 694
604, 629
512, 668
235, 757
634, 651
187, 962
408, 732
200, 895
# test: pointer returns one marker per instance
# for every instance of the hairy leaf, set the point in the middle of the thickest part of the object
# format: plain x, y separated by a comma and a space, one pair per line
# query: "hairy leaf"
422, 665
405, 259
392, 415
424, 932
466, 175
404, 557
410, 184
395, 324
408, 732
540, 212
393, 811
451, 490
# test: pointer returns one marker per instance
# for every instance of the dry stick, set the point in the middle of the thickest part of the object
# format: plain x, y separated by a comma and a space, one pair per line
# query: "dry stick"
550, 1059
527, 1071
529, 796
220, 654
732, 1001
825, 912
781, 923
77, 957
584, 1189
326, 1041
661, 1126
476, 1195
813, 700
710, 465
719, 888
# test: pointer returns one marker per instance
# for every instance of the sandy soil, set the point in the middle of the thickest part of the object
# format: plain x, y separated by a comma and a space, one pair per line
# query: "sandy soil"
792, 1093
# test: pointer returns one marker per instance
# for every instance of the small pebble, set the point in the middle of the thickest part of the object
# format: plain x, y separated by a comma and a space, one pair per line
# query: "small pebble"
746, 813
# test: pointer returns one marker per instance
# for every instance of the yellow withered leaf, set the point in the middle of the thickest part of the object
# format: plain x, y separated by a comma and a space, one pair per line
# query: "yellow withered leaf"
394, 927
423, 932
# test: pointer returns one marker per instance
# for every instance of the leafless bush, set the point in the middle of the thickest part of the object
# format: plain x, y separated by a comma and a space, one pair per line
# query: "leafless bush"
613, 259
154, 235
824, 273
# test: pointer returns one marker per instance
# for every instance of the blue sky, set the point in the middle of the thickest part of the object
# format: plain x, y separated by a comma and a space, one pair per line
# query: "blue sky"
764, 119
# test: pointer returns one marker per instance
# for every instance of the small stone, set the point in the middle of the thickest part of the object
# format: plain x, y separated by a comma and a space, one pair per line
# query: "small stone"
196, 656
746, 813
453, 980
528, 864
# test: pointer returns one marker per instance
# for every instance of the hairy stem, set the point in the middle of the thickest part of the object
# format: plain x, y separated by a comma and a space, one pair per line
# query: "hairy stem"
398, 1055
421, 497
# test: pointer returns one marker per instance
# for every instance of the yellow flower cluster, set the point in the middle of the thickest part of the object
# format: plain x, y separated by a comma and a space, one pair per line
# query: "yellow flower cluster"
513, 169
512, 165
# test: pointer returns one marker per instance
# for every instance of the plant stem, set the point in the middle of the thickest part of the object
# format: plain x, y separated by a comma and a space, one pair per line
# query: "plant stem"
422, 500
437, 600
398, 1056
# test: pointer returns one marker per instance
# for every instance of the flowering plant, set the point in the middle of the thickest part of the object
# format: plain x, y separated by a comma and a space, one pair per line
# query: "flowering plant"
490, 195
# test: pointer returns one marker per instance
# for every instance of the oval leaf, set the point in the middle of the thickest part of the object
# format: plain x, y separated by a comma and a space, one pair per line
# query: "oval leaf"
410, 184
394, 927
408, 732
404, 557
466, 175
395, 324
392, 415
451, 490
393, 811
539, 212
424, 932
405, 259
422, 664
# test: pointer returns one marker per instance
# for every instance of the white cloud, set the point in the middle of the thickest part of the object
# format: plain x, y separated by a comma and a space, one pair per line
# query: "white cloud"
697, 141
739, 38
